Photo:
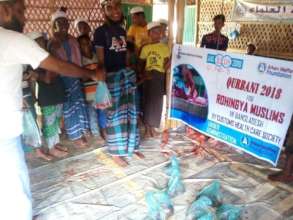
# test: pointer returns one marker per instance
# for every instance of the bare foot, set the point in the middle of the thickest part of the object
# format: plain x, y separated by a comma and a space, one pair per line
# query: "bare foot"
139, 154
103, 133
40, 154
87, 137
120, 161
61, 147
154, 133
57, 153
281, 177
80, 144
147, 135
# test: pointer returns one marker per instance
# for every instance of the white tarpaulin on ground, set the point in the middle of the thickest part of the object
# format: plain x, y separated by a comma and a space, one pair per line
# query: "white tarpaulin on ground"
245, 101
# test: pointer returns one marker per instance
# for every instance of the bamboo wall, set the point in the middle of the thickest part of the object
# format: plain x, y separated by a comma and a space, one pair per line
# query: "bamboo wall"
38, 13
272, 39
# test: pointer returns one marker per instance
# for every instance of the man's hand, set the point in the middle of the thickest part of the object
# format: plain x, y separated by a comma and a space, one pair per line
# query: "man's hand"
33, 75
100, 74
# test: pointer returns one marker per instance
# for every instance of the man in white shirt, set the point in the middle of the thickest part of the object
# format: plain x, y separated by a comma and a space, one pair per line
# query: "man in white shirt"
17, 50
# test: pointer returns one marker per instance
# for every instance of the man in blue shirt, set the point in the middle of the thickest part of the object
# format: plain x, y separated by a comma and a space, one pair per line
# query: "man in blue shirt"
216, 40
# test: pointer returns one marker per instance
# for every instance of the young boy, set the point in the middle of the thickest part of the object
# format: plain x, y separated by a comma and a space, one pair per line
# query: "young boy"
251, 48
51, 96
90, 61
82, 26
153, 60
216, 40
137, 32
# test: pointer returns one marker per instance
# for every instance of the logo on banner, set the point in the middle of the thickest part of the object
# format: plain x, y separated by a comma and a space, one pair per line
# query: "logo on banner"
245, 141
273, 70
225, 61
262, 67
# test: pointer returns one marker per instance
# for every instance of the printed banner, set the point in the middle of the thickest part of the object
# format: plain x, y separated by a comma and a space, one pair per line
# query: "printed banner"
265, 10
245, 101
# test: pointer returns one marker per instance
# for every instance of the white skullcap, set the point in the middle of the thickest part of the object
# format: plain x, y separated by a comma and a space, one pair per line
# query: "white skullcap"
152, 25
137, 9
34, 35
104, 2
77, 21
163, 21
58, 14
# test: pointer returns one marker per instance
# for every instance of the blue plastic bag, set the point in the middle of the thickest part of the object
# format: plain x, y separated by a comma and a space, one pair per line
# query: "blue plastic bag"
173, 166
160, 206
175, 184
103, 96
213, 192
31, 135
201, 209
228, 212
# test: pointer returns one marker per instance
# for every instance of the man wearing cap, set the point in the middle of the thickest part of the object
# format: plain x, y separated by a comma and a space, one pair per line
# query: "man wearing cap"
82, 26
110, 42
137, 32
17, 50
66, 47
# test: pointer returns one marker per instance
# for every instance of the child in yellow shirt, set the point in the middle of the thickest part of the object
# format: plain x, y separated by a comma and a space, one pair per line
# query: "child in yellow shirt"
138, 33
153, 60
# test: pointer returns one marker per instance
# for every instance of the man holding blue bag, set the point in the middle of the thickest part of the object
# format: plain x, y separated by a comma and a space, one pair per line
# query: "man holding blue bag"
111, 46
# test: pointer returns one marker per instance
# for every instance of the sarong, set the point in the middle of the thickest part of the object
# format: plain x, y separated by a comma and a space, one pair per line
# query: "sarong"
122, 129
153, 96
51, 124
76, 120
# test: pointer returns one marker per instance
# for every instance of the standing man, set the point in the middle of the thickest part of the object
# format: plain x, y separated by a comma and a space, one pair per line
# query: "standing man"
138, 33
17, 50
216, 40
110, 42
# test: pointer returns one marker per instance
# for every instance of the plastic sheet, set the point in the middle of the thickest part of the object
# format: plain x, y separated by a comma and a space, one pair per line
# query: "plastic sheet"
31, 133
88, 186
103, 96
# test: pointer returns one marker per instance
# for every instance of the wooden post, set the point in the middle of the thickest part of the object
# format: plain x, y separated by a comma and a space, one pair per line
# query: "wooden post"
180, 20
197, 40
171, 15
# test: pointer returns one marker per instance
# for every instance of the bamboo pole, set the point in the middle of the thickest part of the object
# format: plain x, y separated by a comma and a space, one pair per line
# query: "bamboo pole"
197, 40
171, 15
180, 20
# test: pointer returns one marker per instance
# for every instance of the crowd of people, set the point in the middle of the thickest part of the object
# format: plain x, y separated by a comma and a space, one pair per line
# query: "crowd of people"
133, 63
67, 69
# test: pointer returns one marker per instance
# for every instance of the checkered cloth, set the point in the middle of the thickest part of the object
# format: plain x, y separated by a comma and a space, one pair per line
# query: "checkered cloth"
122, 129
